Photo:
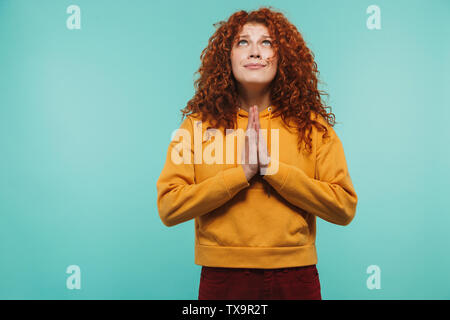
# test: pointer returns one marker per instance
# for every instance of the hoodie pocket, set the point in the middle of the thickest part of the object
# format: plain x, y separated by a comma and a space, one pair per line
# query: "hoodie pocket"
252, 219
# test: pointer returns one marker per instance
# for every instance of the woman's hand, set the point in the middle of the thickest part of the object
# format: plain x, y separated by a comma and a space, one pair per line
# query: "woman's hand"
249, 156
263, 155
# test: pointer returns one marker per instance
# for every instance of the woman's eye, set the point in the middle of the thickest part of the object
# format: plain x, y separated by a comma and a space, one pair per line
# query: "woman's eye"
263, 41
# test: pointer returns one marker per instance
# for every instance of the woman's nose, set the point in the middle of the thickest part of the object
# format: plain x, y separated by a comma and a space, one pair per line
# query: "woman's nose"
254, 52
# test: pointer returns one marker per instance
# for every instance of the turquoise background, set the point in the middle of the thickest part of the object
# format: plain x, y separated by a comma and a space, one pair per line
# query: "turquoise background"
86, 117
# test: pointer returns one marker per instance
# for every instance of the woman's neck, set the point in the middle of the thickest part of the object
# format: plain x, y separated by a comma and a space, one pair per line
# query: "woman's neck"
249, 98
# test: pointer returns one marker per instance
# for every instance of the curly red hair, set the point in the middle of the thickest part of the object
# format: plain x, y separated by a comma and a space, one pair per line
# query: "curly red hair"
293, 91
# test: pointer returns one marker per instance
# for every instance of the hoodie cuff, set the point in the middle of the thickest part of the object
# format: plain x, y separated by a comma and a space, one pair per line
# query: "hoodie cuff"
235, 180
277, 177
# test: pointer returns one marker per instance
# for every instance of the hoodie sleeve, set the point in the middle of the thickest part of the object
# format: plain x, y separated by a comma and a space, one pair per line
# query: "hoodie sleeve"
331, 196
180, 198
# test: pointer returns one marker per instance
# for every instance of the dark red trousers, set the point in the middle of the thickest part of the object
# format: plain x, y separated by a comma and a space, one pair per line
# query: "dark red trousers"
298, 283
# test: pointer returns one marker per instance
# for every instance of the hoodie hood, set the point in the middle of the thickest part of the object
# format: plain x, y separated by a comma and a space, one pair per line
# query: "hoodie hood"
266, 113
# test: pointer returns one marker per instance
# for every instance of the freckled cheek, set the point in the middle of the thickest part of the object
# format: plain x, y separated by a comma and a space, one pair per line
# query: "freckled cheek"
236, 59
271, 64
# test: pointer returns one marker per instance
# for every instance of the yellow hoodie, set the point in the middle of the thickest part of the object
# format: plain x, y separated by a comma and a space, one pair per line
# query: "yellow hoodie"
237, 223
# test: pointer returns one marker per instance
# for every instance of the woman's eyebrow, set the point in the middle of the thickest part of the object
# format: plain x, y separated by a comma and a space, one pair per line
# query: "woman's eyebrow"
246, 36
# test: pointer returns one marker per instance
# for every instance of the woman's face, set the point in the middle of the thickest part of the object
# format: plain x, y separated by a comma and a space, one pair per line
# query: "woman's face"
254, 45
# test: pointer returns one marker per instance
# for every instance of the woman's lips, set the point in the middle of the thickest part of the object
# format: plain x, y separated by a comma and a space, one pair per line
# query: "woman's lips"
255, 66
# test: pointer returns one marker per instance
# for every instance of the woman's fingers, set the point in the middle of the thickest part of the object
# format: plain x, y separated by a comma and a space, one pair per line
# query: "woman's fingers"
255, 141
249, 140
254, 116
254, 138
263, 155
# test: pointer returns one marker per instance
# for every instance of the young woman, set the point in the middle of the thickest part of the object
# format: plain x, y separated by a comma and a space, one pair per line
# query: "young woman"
255, 208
